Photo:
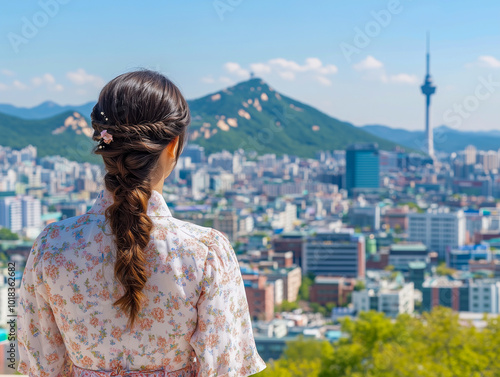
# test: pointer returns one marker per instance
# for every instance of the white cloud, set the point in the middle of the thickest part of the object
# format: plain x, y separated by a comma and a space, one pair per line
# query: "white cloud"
45, 79
286, 69
285, 64
19, 85
328, 69
323, 80
312, 65
225, 80
487, 61
404, 78
37, 81
374, 70
368, 63
8, 72
48, 81
3, 86
236, 69
207, 80
260, 68
81, 77
287, 75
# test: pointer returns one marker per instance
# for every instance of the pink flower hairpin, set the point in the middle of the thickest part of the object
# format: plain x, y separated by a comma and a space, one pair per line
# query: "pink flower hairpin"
106, 137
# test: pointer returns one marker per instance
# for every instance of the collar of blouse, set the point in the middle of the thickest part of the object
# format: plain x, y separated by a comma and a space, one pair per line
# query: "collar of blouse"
156, 205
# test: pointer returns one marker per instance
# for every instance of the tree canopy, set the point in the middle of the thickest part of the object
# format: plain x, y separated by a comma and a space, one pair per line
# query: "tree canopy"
436, 345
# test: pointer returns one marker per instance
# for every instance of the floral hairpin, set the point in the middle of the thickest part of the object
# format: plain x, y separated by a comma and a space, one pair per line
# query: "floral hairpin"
108, 138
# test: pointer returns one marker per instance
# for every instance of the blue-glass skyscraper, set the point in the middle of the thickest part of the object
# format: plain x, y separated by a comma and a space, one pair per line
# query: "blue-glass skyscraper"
362, 167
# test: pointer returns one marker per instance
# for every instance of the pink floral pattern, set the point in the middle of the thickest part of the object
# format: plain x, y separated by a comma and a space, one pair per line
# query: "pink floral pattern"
195, 302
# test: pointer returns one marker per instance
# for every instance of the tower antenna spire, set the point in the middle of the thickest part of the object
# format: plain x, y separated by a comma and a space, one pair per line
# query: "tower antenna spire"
428, 53
428, 90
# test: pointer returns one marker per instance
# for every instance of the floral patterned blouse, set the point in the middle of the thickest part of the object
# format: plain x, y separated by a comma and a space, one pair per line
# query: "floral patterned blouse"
196, 302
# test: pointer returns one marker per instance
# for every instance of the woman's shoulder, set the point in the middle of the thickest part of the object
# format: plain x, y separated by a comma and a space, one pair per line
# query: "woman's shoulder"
57, 230
204, 234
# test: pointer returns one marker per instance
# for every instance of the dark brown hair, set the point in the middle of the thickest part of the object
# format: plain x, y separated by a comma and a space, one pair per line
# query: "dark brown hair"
143, 111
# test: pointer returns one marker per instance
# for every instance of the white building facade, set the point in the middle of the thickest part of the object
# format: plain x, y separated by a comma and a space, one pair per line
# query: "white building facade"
438, 229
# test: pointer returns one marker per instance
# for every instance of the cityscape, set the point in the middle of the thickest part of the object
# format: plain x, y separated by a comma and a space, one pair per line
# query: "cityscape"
364, 250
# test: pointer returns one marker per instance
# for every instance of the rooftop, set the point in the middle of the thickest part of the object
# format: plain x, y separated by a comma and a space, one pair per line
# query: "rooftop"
409, 246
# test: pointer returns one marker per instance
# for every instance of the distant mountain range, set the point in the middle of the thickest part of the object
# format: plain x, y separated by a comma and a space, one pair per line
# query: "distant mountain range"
253, 116
45, 110
250, 115
67, 134
445, 139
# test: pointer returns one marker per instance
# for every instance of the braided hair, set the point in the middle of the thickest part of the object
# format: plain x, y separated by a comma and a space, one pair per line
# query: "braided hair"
143, 111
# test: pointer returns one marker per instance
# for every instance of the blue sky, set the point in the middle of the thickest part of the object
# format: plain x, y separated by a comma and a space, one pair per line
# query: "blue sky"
66, 50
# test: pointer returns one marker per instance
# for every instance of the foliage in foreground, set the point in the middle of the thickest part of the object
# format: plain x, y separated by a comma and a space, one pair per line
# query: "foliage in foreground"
437, 345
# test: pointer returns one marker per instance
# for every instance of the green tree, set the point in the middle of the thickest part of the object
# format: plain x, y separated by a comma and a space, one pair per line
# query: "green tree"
301, 357
317, 308
304, 287
443, 270
7, 234
287, 306
360, 285
329, 307
437, 344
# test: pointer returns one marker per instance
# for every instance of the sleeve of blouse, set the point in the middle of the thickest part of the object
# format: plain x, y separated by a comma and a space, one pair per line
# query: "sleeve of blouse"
223, 339
41, 347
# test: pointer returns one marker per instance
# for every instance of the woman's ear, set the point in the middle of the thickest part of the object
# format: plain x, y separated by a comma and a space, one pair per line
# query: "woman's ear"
172, 147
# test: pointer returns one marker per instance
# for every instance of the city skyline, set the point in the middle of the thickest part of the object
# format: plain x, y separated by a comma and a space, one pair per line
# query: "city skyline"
346, 61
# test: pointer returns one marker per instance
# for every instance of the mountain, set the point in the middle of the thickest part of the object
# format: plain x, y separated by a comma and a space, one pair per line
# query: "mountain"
445, 139
253, 116
67, 134
250, 115
45, 110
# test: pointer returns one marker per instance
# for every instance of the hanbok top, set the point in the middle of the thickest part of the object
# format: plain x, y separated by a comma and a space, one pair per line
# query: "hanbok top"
196, 308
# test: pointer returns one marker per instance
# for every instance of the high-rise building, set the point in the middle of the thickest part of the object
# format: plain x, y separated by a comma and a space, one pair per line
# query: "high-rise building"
225, 160
362, 167
11, 213
32, 212
470, 155
489, 159
459, 258
441, 291
402, 254
226, 221
484, 296
291, 278
391, 298
260, 296
293, 241
438, 229
331, 289
428, 90
335, 254
195, 152
478, 296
